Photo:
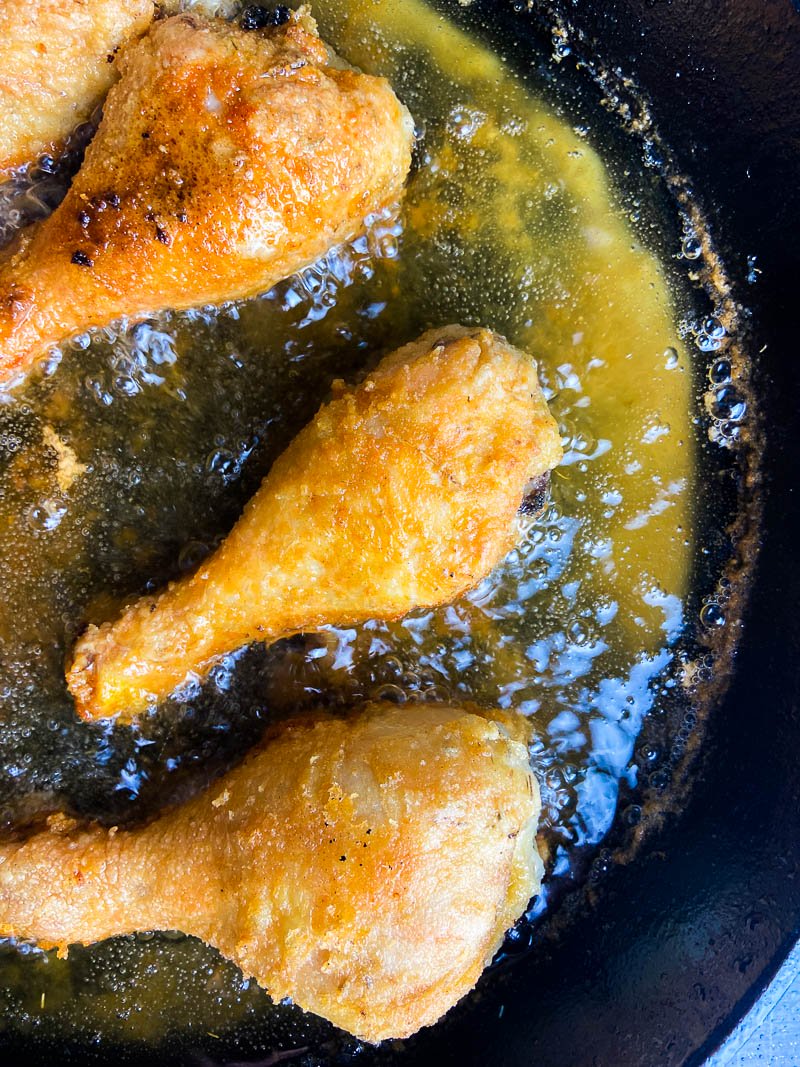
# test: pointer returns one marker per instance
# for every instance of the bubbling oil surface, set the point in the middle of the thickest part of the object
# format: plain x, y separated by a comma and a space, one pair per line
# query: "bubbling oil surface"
128, 458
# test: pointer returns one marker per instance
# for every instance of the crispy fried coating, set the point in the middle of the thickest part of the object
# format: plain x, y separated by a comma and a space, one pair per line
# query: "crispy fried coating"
367, 869
56, 65
401, 493
225, 161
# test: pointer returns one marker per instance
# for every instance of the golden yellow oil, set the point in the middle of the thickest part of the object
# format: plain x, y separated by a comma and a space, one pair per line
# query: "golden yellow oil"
125, 462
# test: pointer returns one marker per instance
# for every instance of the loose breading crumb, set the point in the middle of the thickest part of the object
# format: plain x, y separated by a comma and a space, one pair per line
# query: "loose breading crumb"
68, 466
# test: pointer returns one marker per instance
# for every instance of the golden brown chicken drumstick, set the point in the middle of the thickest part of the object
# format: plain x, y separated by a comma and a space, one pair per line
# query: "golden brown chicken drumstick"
225, 161
56, 65
401, 493
368, 868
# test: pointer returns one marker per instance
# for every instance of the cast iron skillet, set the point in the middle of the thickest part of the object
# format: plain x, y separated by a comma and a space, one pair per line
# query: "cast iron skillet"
679, 943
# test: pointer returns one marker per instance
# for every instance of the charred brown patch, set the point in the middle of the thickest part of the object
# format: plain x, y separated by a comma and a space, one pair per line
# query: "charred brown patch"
535, 496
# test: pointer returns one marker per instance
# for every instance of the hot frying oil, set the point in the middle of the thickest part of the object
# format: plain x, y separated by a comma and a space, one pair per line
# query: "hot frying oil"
123, 463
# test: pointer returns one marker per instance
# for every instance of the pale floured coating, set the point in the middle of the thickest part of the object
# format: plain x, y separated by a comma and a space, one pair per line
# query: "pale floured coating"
367, 869
56, 65
401, 493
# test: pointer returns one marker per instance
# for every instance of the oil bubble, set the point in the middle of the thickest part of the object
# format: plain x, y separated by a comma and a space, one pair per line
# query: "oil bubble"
80, 342
393, 693
727, 403
659, 780
192, 554
224, 463
46, 515
712, 615
632, 815
464, 122
436, 694
649, 753
720, 371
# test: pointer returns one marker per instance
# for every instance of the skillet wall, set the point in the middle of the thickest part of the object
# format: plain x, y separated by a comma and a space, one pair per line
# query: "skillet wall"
680, 943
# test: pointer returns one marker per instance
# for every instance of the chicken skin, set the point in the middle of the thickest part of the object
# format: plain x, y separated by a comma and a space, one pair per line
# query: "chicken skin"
401, 493
225, 161
367, 869
56, 65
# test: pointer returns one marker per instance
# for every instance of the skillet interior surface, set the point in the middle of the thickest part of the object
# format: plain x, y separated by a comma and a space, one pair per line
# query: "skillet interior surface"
675, 945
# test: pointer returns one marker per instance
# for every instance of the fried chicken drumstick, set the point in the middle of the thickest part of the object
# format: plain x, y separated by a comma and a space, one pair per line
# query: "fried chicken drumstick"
367, 869
56, 65
225, 161
401, 493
